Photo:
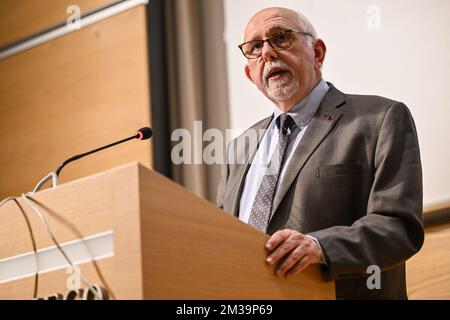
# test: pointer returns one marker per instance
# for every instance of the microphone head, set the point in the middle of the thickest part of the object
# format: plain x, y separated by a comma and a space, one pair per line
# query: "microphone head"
144, 133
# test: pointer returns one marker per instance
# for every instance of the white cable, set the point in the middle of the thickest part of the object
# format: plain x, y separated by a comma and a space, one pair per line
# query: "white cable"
51, 175
50, 232
4, 201
26, 198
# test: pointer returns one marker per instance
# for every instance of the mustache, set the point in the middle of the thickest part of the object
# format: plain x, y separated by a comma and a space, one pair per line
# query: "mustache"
278, 64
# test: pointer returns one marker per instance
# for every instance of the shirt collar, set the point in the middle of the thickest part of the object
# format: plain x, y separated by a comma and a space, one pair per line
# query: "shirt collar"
305, 109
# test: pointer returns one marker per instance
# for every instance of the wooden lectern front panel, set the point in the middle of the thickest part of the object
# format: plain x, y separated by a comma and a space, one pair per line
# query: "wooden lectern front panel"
105, 203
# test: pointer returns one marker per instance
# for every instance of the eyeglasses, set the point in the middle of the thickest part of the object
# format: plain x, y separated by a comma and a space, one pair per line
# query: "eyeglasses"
278, 41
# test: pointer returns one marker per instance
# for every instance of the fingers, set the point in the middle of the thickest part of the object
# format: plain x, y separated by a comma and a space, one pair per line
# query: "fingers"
277, 238
292, 259
293, 251
299, 266
282, 250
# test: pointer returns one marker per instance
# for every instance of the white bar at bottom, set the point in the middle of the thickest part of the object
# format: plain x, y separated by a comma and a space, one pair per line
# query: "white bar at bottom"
95, 247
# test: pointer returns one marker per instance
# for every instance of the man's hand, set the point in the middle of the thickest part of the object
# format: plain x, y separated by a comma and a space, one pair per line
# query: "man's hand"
293, 252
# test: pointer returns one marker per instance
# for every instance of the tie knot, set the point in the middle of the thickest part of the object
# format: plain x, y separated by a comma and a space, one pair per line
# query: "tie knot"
285, 122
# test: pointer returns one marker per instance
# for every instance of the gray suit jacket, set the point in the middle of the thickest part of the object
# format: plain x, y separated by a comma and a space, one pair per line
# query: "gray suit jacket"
354, 183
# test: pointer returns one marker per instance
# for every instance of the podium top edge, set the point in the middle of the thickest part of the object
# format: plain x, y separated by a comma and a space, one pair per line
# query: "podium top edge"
124, 167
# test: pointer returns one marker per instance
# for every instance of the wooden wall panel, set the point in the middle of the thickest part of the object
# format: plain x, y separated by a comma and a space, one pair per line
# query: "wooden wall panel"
428, 272
73, 94
22, 18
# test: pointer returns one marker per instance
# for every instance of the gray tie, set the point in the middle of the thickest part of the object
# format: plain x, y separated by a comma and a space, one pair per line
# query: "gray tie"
262, 206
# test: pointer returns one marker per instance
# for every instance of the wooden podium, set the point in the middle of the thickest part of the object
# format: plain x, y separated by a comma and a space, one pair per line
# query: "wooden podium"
149, 238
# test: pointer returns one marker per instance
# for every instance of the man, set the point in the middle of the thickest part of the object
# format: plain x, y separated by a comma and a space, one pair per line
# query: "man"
336, 179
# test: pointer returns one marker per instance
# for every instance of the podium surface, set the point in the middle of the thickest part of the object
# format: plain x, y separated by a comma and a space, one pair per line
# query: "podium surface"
140, 236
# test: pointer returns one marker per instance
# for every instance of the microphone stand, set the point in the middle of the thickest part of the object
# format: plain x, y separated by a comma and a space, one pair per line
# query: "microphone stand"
142, 134
61, 166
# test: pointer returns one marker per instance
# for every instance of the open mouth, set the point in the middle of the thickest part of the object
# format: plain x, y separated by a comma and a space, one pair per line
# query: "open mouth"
276, 74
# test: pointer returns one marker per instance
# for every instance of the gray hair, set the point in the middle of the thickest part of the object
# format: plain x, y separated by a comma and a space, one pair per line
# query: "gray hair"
306, 26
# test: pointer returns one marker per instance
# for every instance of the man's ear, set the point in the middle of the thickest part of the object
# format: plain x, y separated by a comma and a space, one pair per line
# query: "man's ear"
248, 73
320, 51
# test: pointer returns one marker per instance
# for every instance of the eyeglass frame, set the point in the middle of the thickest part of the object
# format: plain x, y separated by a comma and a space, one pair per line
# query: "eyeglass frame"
270, 43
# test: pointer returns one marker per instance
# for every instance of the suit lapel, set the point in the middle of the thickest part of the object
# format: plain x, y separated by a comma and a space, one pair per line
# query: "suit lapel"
237, 180
324, 120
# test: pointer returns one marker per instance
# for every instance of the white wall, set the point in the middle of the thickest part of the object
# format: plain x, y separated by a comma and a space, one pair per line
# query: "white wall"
407, 59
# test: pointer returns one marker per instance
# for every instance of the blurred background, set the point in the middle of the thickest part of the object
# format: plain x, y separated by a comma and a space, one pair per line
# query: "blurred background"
78, 74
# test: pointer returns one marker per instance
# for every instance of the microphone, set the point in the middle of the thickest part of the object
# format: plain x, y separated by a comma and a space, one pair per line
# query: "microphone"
142, 134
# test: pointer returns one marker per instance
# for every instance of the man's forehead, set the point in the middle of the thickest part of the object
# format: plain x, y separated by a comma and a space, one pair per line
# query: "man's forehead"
268, 21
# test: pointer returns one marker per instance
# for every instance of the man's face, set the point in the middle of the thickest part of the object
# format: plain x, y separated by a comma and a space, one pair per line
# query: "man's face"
285, 77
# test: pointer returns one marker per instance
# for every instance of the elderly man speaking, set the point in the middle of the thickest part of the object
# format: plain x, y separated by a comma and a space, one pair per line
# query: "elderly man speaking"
336, 179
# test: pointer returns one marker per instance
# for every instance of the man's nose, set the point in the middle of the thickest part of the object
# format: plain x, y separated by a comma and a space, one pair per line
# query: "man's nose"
268, 53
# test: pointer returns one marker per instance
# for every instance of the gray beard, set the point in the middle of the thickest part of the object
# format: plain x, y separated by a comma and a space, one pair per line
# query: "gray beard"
283, 89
